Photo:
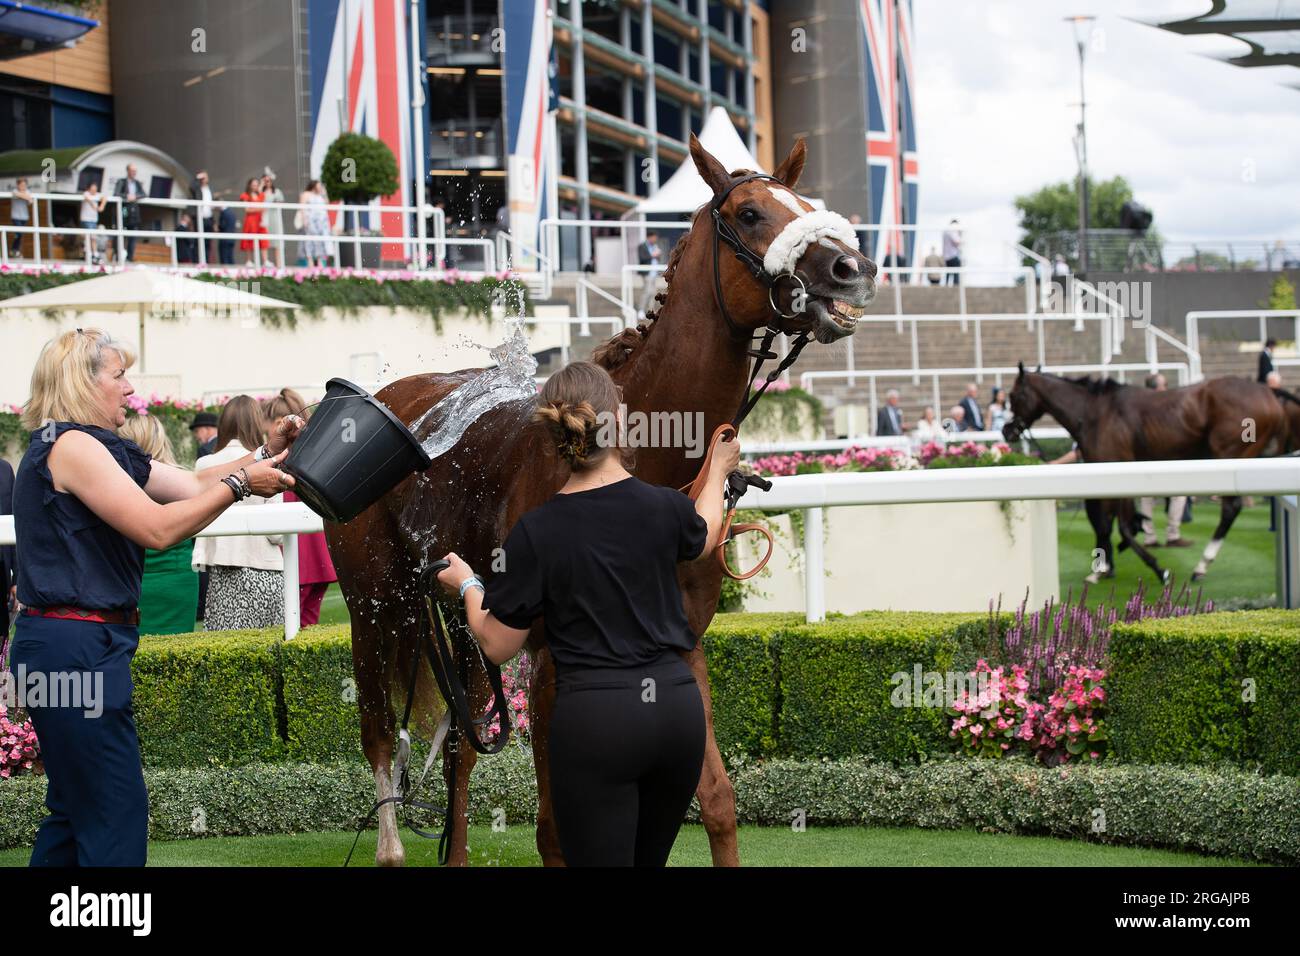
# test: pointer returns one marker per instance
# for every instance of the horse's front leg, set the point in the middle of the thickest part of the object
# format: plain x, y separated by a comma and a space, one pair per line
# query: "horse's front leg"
716, 794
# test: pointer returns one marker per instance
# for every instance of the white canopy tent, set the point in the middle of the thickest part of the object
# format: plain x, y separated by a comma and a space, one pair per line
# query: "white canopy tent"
685, 191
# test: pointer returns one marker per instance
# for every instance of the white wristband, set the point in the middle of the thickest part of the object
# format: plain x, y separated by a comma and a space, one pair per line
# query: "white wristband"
471, 582
261, 453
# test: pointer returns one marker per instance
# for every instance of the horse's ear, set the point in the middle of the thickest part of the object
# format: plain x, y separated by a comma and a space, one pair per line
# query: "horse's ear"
1022, 367
710, 170
790, 170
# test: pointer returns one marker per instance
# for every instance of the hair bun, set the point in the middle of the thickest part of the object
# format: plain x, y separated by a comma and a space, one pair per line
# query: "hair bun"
573, 427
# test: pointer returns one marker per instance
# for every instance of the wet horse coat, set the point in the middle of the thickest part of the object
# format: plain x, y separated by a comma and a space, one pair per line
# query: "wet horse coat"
687, 361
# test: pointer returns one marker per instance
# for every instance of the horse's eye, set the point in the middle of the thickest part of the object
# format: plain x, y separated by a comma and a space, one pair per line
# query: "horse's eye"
748, 216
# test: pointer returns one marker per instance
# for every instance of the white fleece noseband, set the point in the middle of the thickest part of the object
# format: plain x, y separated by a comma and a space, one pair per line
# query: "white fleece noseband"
801, 232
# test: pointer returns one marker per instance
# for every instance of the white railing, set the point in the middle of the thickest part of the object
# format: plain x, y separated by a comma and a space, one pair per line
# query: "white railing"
288, 518
1192, 327
813, 493
417, 247
978, 374
902, 442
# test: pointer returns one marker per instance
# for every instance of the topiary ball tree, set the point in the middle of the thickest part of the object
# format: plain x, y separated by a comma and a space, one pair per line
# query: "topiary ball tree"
357, 168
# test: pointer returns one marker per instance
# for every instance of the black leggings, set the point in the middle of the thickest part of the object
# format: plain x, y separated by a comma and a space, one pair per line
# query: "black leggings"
626, 753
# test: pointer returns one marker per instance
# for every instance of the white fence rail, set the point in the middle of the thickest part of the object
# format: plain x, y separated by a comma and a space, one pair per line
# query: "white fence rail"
814, 493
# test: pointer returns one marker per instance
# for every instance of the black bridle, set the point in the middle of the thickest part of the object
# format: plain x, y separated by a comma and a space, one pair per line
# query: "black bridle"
723, 231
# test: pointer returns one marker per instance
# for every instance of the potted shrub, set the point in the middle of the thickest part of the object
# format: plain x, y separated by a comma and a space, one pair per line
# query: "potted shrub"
356, 169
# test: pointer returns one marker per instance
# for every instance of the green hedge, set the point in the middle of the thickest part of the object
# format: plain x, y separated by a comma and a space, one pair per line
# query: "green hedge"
781, 688
835, 684
1179, 690
208, 699
1225, 812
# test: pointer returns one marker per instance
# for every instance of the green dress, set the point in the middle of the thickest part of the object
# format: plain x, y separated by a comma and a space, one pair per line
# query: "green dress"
169, 596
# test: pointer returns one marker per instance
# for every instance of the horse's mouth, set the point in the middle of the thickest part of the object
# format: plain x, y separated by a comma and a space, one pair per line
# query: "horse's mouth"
834, 318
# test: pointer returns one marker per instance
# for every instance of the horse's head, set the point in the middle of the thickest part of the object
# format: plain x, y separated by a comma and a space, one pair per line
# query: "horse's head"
1026, 407
810, 275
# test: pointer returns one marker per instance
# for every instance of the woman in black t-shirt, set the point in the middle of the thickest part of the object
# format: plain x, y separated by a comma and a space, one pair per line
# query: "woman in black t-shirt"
599, 562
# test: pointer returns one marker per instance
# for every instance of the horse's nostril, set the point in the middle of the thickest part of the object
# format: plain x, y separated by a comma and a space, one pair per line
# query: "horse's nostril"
845, 268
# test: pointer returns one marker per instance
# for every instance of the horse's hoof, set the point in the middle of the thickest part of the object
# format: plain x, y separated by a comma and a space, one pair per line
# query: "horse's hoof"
1198, 576
391, 856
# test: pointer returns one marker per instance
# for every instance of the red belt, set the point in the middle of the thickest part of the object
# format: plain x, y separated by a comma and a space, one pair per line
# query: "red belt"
65, 613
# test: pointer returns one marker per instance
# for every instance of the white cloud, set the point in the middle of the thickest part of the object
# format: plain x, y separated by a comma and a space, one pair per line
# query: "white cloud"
1212, 149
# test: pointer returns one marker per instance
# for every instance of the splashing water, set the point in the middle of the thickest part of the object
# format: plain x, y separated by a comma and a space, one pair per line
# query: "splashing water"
443, 425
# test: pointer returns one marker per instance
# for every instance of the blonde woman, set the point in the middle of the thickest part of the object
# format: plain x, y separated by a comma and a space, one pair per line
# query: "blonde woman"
87, 503
245, 572
169, 592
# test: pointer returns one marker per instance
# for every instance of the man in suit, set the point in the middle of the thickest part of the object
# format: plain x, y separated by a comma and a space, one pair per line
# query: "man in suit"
889, 420
974, 418
1266, 361
130, 192
8, 570
226, 247
649, 253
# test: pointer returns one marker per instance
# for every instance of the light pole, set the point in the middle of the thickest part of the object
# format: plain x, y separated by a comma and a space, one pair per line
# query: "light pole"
1082, 34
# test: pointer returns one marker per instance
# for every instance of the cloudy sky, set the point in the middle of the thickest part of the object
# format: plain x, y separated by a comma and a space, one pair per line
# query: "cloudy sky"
1212, 149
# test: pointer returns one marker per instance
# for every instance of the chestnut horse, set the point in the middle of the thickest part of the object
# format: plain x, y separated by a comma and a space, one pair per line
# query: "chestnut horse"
690, 358
1219, 418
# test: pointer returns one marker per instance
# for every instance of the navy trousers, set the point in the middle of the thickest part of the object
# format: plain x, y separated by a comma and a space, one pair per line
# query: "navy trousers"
99, 808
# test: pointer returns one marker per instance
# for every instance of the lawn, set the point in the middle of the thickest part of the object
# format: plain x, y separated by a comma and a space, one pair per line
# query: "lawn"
759, 846
1243, 570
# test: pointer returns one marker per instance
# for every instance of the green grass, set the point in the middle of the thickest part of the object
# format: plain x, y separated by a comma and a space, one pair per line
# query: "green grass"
1244, 568
759, 846
333, 610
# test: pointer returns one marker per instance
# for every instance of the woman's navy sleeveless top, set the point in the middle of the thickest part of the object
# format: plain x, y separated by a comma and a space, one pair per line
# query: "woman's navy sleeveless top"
66, 553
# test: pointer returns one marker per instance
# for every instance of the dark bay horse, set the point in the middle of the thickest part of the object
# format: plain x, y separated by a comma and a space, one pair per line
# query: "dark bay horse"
689, 358
1219, 418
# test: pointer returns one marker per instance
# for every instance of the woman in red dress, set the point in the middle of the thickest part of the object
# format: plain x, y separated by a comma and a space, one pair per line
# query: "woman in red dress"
252, 217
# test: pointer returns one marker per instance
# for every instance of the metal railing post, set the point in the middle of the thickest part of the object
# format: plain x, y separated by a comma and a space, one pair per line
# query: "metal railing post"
292, 609
814, 567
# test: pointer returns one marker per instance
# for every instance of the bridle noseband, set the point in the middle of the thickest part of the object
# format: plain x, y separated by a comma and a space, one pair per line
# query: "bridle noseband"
723, 231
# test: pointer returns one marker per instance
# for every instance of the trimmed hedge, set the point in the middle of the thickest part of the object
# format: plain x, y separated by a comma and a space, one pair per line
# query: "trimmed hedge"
781, 688
835, 686
1227, 812
1180, 690
320, 696
208, 699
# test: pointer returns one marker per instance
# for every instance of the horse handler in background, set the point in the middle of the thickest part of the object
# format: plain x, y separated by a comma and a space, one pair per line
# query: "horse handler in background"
599, 562
87, 503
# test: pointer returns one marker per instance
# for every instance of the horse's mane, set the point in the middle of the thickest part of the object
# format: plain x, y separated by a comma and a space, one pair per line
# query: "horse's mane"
1096, 386
618, 349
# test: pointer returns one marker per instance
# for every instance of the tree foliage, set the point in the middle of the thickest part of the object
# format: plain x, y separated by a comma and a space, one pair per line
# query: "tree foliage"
357, 168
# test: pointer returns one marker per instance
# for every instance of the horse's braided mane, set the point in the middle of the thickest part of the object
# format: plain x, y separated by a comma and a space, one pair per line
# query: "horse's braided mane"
618, 349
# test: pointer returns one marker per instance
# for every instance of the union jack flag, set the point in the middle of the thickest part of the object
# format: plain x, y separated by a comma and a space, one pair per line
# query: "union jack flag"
891, 128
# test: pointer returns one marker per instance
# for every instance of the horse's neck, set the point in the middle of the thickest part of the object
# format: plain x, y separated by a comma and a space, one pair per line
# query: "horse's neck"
1066, 401
689, 364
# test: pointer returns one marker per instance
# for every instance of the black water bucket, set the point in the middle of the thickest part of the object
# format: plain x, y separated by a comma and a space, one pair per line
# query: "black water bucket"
352, 452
